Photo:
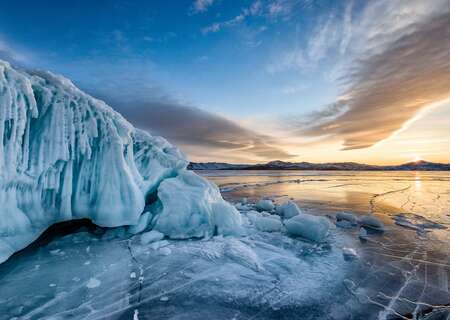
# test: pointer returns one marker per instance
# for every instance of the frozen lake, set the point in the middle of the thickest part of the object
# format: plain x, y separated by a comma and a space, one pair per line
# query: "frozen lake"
404, 270
84, 272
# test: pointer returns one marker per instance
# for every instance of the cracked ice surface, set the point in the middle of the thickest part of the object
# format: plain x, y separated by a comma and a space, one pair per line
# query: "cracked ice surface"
402, 273
266, 275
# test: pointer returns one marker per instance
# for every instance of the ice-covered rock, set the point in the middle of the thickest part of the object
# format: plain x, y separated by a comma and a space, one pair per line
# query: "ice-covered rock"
288, 209
307, 226
265, 205
151, 236
66, 155
369, 221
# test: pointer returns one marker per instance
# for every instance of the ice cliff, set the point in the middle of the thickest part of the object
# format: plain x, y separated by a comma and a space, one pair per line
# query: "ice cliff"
65, 155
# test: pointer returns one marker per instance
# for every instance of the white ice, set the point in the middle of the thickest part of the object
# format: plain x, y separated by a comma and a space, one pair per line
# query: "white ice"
288, 209
265, 205
313, 228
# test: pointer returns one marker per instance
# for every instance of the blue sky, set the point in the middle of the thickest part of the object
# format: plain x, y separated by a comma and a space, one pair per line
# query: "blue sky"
265, 68
166, 45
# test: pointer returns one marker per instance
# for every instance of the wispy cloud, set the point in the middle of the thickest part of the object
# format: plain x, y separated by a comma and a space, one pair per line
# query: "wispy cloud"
255, 9
201, 6
391, 77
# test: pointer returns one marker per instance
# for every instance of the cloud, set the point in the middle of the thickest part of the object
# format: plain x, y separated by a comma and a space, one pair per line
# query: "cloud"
392, 83
201, 6
12, 55
200, 131
255, 9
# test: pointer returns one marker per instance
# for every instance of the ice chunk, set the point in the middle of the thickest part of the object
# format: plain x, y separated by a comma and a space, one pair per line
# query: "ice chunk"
349, 253
362, 234
265, 205
268, 224
151, 236
416, 222
65, 155
371, 222
193, 207
288, 209
307, 226
346, 216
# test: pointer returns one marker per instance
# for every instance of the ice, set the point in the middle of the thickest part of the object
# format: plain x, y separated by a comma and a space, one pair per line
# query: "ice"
307, 226
66, 155
416, 222
371, 222
349, 253
268, 224
242, 254
142, 224
288, 210
93, 283
262, 276
265, 205
151, 236
362, 233
346, 216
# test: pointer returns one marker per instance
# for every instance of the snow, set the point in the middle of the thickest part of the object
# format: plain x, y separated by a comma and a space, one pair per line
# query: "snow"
151, 236
265, 205
313, 228
66, 155
288, 209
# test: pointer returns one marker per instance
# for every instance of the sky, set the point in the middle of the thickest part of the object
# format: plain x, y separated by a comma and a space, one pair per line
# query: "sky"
256, 80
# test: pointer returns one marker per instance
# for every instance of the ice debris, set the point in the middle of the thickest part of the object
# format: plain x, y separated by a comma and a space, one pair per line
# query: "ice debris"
349, 253
268, 224
307, 226
346, 216
288, 209
371, 222
265, 205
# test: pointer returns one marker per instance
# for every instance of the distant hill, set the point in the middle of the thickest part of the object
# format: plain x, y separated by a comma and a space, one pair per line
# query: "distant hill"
342, 166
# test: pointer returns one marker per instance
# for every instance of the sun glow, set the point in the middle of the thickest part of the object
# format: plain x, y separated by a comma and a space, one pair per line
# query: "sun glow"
417, 158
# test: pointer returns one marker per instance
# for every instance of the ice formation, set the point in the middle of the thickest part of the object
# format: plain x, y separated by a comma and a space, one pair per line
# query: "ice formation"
66, 155
307, 226
288, 210
265, 205
371, 222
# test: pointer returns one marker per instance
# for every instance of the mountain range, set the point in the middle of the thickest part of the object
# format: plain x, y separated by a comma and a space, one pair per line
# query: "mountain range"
341, 166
